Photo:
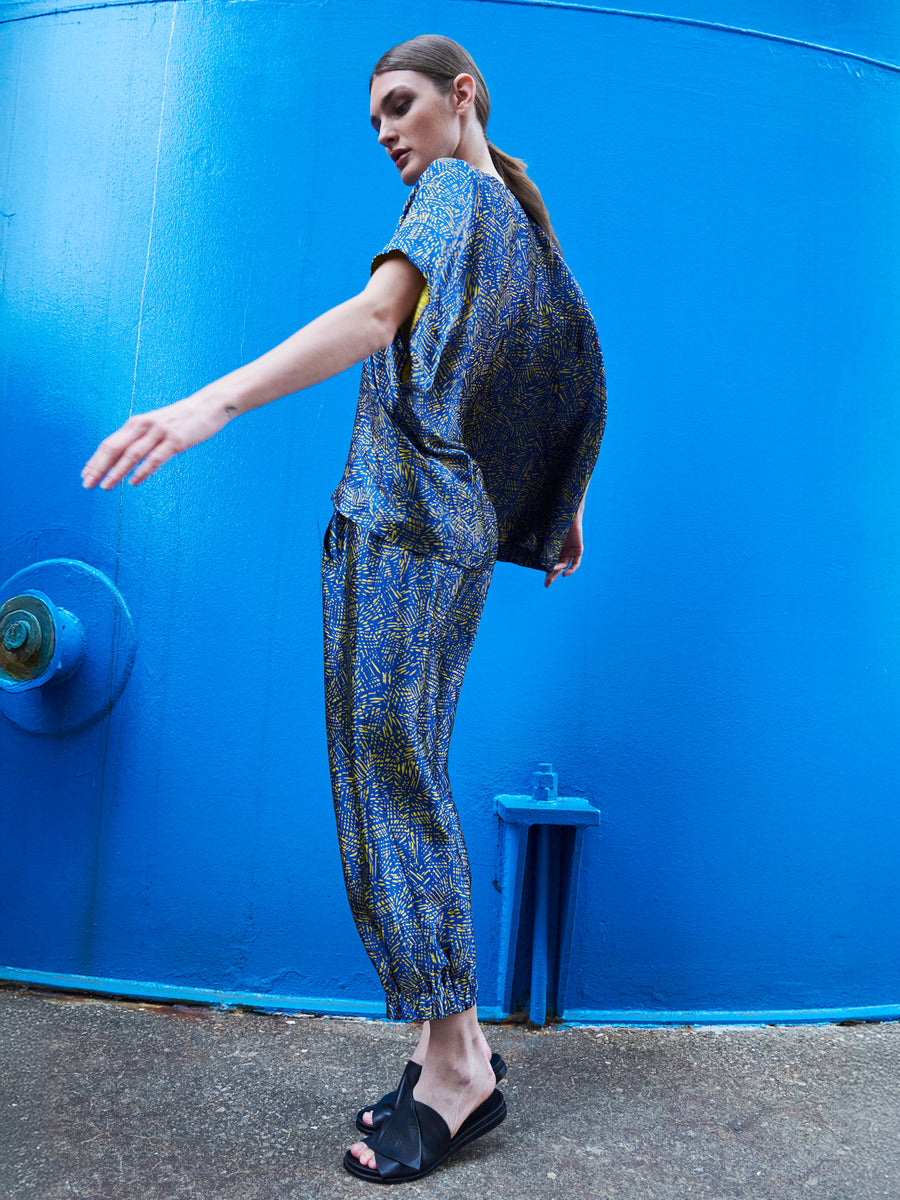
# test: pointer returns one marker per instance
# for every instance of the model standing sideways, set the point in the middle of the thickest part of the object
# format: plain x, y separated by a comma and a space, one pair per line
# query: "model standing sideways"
481, 408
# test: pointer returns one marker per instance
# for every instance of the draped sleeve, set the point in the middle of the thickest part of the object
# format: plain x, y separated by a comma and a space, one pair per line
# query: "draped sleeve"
477, 429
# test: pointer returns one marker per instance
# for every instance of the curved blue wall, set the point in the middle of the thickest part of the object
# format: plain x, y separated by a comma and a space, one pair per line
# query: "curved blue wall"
184, 184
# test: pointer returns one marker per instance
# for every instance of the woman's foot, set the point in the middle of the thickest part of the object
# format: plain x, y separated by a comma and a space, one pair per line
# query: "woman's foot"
456, 1075
419, 1056
416, 1140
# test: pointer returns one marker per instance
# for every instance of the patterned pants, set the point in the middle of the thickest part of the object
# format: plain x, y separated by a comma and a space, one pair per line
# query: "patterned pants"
398, 631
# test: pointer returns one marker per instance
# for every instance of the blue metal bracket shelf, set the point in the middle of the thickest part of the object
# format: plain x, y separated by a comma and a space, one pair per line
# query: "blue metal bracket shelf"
542, 839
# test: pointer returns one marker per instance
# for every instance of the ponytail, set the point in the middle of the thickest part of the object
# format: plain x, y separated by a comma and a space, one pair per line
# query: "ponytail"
514, 174
442, 59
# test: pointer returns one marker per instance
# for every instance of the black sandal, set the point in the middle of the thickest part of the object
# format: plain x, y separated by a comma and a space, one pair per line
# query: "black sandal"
417, 1139
382, 1111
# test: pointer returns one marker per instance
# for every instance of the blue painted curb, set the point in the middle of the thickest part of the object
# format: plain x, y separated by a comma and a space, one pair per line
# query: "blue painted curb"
781, 1016
137, 989
133, 989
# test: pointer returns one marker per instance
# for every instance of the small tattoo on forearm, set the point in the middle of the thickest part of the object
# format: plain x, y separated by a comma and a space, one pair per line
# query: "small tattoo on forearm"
230, 410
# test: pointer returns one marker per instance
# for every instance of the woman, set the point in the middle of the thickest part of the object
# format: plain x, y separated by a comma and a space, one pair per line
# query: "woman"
480, 414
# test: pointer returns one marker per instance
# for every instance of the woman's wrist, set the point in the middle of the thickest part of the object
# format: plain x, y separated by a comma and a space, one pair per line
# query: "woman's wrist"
224, 398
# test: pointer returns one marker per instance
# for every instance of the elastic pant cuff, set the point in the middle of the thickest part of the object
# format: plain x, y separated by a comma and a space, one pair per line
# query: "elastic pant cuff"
428, 1006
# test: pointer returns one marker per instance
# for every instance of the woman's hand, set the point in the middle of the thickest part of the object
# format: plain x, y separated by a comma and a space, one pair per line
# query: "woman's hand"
151, 439
571, 551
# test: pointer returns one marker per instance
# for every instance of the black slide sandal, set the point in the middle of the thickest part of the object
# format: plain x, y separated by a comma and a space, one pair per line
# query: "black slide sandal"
417, 1139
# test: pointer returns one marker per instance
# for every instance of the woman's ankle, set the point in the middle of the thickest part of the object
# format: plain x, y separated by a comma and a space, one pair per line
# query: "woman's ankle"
421, 1050
457, 1042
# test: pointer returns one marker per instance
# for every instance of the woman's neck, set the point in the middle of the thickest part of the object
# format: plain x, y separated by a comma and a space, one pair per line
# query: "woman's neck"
473, 149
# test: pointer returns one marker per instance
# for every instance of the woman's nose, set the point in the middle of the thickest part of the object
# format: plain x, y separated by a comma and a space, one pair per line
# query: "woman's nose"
385, 134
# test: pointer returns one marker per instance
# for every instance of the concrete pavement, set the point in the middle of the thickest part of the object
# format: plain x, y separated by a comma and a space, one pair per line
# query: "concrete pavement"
111, 1100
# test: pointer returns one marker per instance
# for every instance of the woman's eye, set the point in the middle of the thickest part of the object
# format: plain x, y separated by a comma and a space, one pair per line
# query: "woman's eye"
401, 109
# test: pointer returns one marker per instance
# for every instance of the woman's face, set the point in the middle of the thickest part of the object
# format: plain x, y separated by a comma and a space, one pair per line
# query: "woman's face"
414, 122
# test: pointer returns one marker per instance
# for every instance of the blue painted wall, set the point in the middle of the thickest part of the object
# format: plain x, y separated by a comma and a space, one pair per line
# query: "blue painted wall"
184, 184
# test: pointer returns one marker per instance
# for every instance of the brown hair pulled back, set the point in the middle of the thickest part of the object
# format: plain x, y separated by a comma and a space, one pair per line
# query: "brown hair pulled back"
441, 60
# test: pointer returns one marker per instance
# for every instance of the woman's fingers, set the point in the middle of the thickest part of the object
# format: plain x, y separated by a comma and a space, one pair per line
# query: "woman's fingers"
111, 449
139, 452
568, 564
161, 453
129, 456
554, 572
122, 450
147, 441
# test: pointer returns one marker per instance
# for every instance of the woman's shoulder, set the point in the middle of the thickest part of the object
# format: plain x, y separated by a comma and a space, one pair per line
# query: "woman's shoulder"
445, 174
457, 167
448, 191
457, 175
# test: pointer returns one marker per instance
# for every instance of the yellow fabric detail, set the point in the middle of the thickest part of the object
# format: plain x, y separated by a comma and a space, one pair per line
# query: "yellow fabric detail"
424, 297
421, 305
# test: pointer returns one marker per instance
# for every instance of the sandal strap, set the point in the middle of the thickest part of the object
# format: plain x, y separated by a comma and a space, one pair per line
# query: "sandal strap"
414, 1137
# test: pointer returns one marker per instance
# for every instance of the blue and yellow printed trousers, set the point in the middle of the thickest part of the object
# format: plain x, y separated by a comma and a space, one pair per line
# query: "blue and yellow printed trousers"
398, 631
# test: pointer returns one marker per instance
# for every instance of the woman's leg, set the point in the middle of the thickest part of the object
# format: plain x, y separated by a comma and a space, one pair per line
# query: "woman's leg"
398, 631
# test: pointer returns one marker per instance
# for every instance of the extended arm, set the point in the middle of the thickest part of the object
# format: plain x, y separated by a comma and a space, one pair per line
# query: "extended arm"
338, 339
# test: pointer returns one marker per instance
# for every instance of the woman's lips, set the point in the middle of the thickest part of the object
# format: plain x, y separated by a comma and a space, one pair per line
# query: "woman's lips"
400, 158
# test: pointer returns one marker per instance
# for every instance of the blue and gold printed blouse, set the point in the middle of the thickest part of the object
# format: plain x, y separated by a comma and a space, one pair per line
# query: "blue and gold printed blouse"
482, 419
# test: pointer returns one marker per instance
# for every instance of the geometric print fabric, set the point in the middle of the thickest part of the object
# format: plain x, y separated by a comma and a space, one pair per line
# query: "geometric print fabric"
477, 429
399, 628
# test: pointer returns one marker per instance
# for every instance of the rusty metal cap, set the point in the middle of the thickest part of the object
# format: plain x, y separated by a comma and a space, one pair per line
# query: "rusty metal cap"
27, 638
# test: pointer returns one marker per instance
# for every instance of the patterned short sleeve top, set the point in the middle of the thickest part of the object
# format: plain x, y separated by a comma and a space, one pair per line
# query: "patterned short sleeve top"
479, 426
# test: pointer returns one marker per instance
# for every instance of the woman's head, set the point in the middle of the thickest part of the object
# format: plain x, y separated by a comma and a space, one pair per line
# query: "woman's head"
417, 122
429, 101
441, 60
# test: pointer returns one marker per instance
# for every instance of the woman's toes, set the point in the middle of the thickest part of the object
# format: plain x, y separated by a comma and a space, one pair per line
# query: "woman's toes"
361, 1151
367, 1117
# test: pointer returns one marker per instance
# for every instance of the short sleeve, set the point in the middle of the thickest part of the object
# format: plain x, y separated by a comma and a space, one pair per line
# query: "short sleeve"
439, 233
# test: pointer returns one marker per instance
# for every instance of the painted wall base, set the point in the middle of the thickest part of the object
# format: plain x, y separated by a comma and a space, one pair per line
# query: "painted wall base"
133, 989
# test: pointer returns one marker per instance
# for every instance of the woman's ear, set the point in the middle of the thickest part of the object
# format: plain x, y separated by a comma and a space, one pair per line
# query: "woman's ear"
463, 93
